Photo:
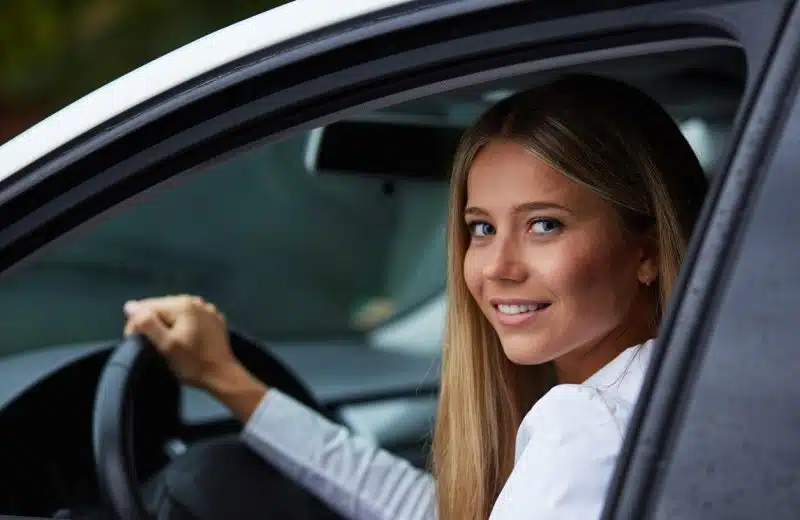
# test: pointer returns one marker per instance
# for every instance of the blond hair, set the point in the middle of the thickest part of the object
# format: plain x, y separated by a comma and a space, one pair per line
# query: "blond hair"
617, 142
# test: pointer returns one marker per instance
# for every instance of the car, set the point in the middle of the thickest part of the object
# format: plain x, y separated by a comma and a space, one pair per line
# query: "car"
292, 168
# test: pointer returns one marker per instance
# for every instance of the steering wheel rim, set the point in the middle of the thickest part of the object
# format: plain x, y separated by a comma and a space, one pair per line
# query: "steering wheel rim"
111, 433
112, 421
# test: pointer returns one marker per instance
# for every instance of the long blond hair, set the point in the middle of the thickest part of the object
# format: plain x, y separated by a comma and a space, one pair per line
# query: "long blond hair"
622, 145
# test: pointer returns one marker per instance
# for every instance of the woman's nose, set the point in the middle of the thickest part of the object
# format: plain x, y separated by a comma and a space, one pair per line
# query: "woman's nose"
504, 261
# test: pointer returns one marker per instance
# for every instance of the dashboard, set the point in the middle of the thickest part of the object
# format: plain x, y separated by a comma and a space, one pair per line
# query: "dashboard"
47, 398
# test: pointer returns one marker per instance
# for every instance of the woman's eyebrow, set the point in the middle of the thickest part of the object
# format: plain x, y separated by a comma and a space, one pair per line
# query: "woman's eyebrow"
538, 206
525, 207
474, 210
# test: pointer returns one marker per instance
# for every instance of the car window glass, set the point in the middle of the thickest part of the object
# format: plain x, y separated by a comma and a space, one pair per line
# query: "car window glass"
287, 255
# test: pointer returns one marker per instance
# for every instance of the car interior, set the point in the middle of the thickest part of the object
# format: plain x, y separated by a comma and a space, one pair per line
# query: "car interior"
325, 249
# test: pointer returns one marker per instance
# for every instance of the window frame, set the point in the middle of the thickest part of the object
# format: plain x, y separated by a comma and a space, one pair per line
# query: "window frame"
181, 133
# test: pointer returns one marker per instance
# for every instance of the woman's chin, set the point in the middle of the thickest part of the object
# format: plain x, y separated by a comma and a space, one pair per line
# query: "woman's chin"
523, 350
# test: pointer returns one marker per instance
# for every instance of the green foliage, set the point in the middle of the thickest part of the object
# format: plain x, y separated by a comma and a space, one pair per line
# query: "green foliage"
54, 51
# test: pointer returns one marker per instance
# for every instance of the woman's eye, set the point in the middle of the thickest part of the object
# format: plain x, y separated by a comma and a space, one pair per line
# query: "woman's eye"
480, 229
545, 226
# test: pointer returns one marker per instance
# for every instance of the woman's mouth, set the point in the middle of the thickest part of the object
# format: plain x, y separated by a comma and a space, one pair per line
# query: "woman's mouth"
517, 313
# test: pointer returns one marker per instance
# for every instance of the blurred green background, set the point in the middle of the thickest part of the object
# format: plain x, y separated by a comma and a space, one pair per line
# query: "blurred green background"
52, 52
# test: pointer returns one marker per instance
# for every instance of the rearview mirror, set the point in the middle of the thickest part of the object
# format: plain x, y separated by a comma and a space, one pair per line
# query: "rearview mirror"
386, 148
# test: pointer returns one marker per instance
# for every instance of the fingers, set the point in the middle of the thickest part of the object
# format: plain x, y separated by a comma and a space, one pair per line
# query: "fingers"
157, 317
149, 323
169, 308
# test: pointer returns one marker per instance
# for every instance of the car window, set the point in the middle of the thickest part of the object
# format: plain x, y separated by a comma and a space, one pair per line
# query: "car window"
286, 255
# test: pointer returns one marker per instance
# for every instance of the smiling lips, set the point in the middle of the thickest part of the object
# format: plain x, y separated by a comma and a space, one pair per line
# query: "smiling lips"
515, 313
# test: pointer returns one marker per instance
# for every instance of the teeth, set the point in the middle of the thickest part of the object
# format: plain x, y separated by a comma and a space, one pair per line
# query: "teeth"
517, 309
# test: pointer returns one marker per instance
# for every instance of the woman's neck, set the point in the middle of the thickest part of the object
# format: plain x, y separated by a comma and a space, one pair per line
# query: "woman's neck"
583, 362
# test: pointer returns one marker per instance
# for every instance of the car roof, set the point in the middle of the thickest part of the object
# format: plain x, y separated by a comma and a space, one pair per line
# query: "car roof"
251, 35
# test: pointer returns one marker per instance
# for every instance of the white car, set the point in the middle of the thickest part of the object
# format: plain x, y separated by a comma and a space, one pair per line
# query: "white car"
293, 167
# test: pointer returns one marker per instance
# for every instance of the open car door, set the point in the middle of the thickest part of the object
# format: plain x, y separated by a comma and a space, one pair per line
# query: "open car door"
716, 431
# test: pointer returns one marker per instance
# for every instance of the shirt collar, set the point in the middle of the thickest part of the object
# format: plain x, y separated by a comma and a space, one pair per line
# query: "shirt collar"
627, 368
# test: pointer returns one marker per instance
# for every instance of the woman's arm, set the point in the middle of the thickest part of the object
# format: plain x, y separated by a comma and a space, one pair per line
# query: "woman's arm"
349, 473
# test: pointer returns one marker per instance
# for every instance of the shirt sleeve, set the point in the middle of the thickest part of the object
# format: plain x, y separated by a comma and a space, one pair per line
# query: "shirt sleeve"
349, 473
563, 471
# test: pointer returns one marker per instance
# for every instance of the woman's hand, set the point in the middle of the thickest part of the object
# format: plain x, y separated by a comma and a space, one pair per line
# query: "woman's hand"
189, 332
192, 336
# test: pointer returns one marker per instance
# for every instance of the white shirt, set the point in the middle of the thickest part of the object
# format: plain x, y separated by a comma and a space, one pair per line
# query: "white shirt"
566, 450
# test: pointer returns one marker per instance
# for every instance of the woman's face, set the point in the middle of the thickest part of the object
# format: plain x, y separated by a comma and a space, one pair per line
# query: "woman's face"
550, 265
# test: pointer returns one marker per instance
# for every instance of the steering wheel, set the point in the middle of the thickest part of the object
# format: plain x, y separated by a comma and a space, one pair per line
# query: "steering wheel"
114, 408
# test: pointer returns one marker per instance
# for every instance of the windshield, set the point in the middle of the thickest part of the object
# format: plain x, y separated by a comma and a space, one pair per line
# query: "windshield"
286, 255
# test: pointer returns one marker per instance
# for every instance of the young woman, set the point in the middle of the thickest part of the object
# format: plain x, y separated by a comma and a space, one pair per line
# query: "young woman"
571, 205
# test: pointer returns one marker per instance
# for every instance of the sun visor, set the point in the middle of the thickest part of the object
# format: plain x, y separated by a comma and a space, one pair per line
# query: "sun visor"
388, 148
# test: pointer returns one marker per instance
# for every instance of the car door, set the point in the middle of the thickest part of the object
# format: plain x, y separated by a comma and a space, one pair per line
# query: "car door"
376, 60
716, 434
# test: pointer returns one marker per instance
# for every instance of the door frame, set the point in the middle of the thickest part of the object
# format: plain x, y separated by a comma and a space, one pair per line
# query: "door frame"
272, 96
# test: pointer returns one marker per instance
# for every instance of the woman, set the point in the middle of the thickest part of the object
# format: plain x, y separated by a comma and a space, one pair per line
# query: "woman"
571, 205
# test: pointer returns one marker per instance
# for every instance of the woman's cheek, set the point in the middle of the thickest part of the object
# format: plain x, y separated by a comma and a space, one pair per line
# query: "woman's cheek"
568, 266
472, 272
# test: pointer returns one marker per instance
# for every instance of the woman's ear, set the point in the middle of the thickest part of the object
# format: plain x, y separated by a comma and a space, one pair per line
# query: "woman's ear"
647, 272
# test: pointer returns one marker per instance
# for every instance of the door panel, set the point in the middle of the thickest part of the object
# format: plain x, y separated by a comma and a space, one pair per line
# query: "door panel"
712, 436
737, 454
